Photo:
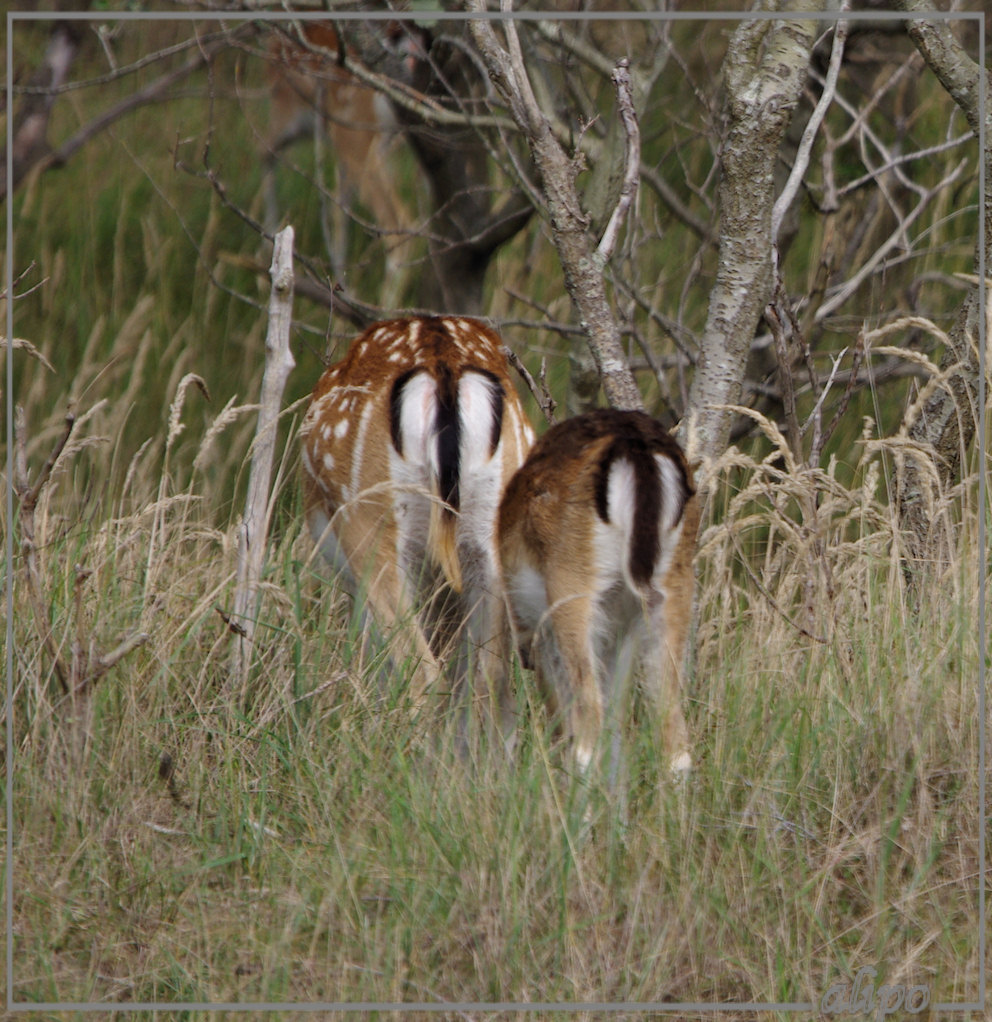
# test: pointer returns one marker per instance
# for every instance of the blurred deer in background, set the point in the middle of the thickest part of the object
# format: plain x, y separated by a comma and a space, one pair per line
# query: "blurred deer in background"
407, 445
596, 537
314, 96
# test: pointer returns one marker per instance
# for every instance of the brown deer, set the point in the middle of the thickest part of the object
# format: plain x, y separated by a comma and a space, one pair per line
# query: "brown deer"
596, 534
407, 445
313, 95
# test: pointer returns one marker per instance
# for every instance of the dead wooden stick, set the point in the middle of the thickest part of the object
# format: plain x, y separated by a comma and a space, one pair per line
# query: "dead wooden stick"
253, 529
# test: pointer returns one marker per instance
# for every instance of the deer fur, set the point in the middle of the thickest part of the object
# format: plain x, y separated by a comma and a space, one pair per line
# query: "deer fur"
407, 445
596, 534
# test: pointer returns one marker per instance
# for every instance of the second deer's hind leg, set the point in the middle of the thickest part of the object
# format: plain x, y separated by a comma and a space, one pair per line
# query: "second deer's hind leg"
661, 679
578, 690
618, 662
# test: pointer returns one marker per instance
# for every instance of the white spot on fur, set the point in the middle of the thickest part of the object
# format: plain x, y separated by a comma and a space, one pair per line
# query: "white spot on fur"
358, 452
341, 429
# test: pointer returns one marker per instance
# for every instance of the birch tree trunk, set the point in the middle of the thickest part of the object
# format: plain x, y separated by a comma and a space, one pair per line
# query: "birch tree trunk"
765, 70
946, 424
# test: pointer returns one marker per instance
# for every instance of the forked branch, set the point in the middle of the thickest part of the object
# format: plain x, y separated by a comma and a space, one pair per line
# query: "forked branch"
581, 265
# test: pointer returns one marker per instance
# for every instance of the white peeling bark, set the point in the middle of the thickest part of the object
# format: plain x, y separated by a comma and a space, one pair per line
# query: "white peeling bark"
765, 71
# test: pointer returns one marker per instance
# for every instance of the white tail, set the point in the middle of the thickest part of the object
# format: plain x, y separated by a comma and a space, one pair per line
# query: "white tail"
312, 92
407, 446
596, 535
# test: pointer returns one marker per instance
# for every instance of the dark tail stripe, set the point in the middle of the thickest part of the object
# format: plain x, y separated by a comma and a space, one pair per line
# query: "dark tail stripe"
448, 429
447, 423
645, 543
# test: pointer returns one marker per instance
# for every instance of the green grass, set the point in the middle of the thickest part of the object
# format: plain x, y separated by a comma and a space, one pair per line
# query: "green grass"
314, 843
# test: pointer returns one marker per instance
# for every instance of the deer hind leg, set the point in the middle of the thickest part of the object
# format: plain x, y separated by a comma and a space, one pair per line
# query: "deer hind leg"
290, 122
393, 217
486, 650
661, 677
618, 659
393, 609
389, 616
569, 662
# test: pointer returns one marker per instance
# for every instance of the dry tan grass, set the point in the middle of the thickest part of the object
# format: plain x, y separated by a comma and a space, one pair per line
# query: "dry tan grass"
308, 842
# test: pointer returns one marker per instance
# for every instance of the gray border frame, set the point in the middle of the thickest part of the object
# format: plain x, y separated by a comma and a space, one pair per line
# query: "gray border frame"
510, 1006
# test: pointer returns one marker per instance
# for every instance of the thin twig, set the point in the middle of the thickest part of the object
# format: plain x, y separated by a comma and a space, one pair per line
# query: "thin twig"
784, 201
859, 354
541, 393
632, 159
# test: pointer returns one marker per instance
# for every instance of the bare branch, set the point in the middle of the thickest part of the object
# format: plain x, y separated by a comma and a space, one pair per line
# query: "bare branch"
29, 495
859, 354
541, 394
29, 133
152, 93
119, 72
843, 292
582, 269
628, 189
774, 319
788, 194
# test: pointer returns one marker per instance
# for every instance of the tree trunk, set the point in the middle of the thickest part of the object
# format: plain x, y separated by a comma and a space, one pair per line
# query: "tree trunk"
582, 265
467, 226
30, 127
945, 426
765, 71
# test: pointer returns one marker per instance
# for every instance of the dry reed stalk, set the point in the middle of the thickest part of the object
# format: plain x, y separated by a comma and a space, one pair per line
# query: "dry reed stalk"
228, 414
157, 533
20, 344
87, 664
